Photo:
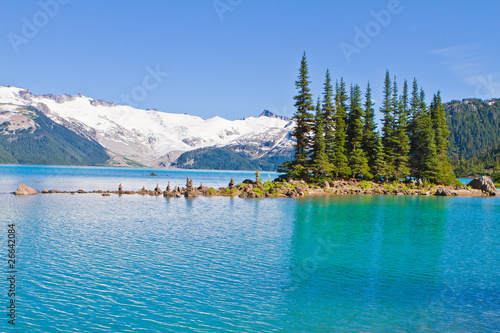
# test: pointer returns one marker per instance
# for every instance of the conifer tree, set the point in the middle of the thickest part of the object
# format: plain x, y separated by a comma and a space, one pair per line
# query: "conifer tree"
370, 136
319, 165
298, 168
429, 167
379, 167
355, 130
405, 99
425, 154
415, 114
328, 111
388, 125
402, 141
441, 132
340, 164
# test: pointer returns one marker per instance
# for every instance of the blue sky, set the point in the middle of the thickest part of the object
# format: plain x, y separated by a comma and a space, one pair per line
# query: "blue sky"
235, 58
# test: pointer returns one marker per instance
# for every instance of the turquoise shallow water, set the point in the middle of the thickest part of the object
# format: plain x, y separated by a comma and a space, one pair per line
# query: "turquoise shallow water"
89, 263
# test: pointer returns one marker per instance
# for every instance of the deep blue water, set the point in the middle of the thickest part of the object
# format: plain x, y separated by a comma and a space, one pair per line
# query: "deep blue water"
89, 263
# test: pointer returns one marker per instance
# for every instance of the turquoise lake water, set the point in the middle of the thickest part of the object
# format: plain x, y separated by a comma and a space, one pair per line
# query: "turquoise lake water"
89, 263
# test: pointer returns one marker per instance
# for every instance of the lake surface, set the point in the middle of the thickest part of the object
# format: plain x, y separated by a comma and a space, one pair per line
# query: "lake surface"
89, 263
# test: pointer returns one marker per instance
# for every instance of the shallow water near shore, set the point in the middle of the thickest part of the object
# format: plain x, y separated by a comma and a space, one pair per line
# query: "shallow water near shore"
331, 263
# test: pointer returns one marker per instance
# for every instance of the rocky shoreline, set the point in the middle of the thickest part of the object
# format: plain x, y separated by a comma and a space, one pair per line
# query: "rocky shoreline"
252, 189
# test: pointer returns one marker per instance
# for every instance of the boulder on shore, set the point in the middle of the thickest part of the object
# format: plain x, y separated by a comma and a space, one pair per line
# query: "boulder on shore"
25, 190
484, 184
443, 192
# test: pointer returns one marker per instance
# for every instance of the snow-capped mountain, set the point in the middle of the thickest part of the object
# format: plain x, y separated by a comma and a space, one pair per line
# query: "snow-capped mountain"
149, 137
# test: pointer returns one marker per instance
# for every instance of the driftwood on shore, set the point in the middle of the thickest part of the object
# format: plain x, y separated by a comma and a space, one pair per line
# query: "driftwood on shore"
287, 189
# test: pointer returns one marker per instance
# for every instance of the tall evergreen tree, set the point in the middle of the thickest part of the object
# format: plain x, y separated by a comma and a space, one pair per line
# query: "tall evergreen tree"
355, 131
328, 111
429, 166
405, 99
370, 136
320, 166
425, 159
298, 168
379, 167
415, 114
402, 141
340, 164
387, 111
441, 132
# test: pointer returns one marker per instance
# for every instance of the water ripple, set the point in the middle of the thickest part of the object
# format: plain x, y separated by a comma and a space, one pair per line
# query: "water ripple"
133, 264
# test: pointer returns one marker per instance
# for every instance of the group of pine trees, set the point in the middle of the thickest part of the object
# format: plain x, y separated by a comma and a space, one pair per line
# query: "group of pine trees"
337, 137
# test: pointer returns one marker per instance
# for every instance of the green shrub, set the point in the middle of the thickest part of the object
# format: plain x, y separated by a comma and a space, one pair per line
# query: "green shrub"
366, 185
405, 187
268, 185
389, 186
228, 191
428, 184
258, 191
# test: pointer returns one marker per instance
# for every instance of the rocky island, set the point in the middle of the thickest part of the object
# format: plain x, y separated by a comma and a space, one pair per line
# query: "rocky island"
251, 189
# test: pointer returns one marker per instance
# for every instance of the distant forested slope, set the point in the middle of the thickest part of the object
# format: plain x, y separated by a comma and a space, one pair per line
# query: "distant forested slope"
229, 158
474, 126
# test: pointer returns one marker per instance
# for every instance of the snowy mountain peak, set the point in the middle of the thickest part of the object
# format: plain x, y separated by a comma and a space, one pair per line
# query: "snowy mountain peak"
267, 113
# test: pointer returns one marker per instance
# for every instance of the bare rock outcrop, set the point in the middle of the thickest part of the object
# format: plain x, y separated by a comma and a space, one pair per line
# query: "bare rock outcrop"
484, 184
190, 192
142, 191
231, 184
158, 191
443, 192
189, 184
25, 190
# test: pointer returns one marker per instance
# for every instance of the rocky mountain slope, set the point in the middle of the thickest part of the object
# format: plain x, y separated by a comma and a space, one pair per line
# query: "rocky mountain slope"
151, 138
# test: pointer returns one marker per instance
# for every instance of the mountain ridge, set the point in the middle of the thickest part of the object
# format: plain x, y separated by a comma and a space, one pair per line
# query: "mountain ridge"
150, 137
